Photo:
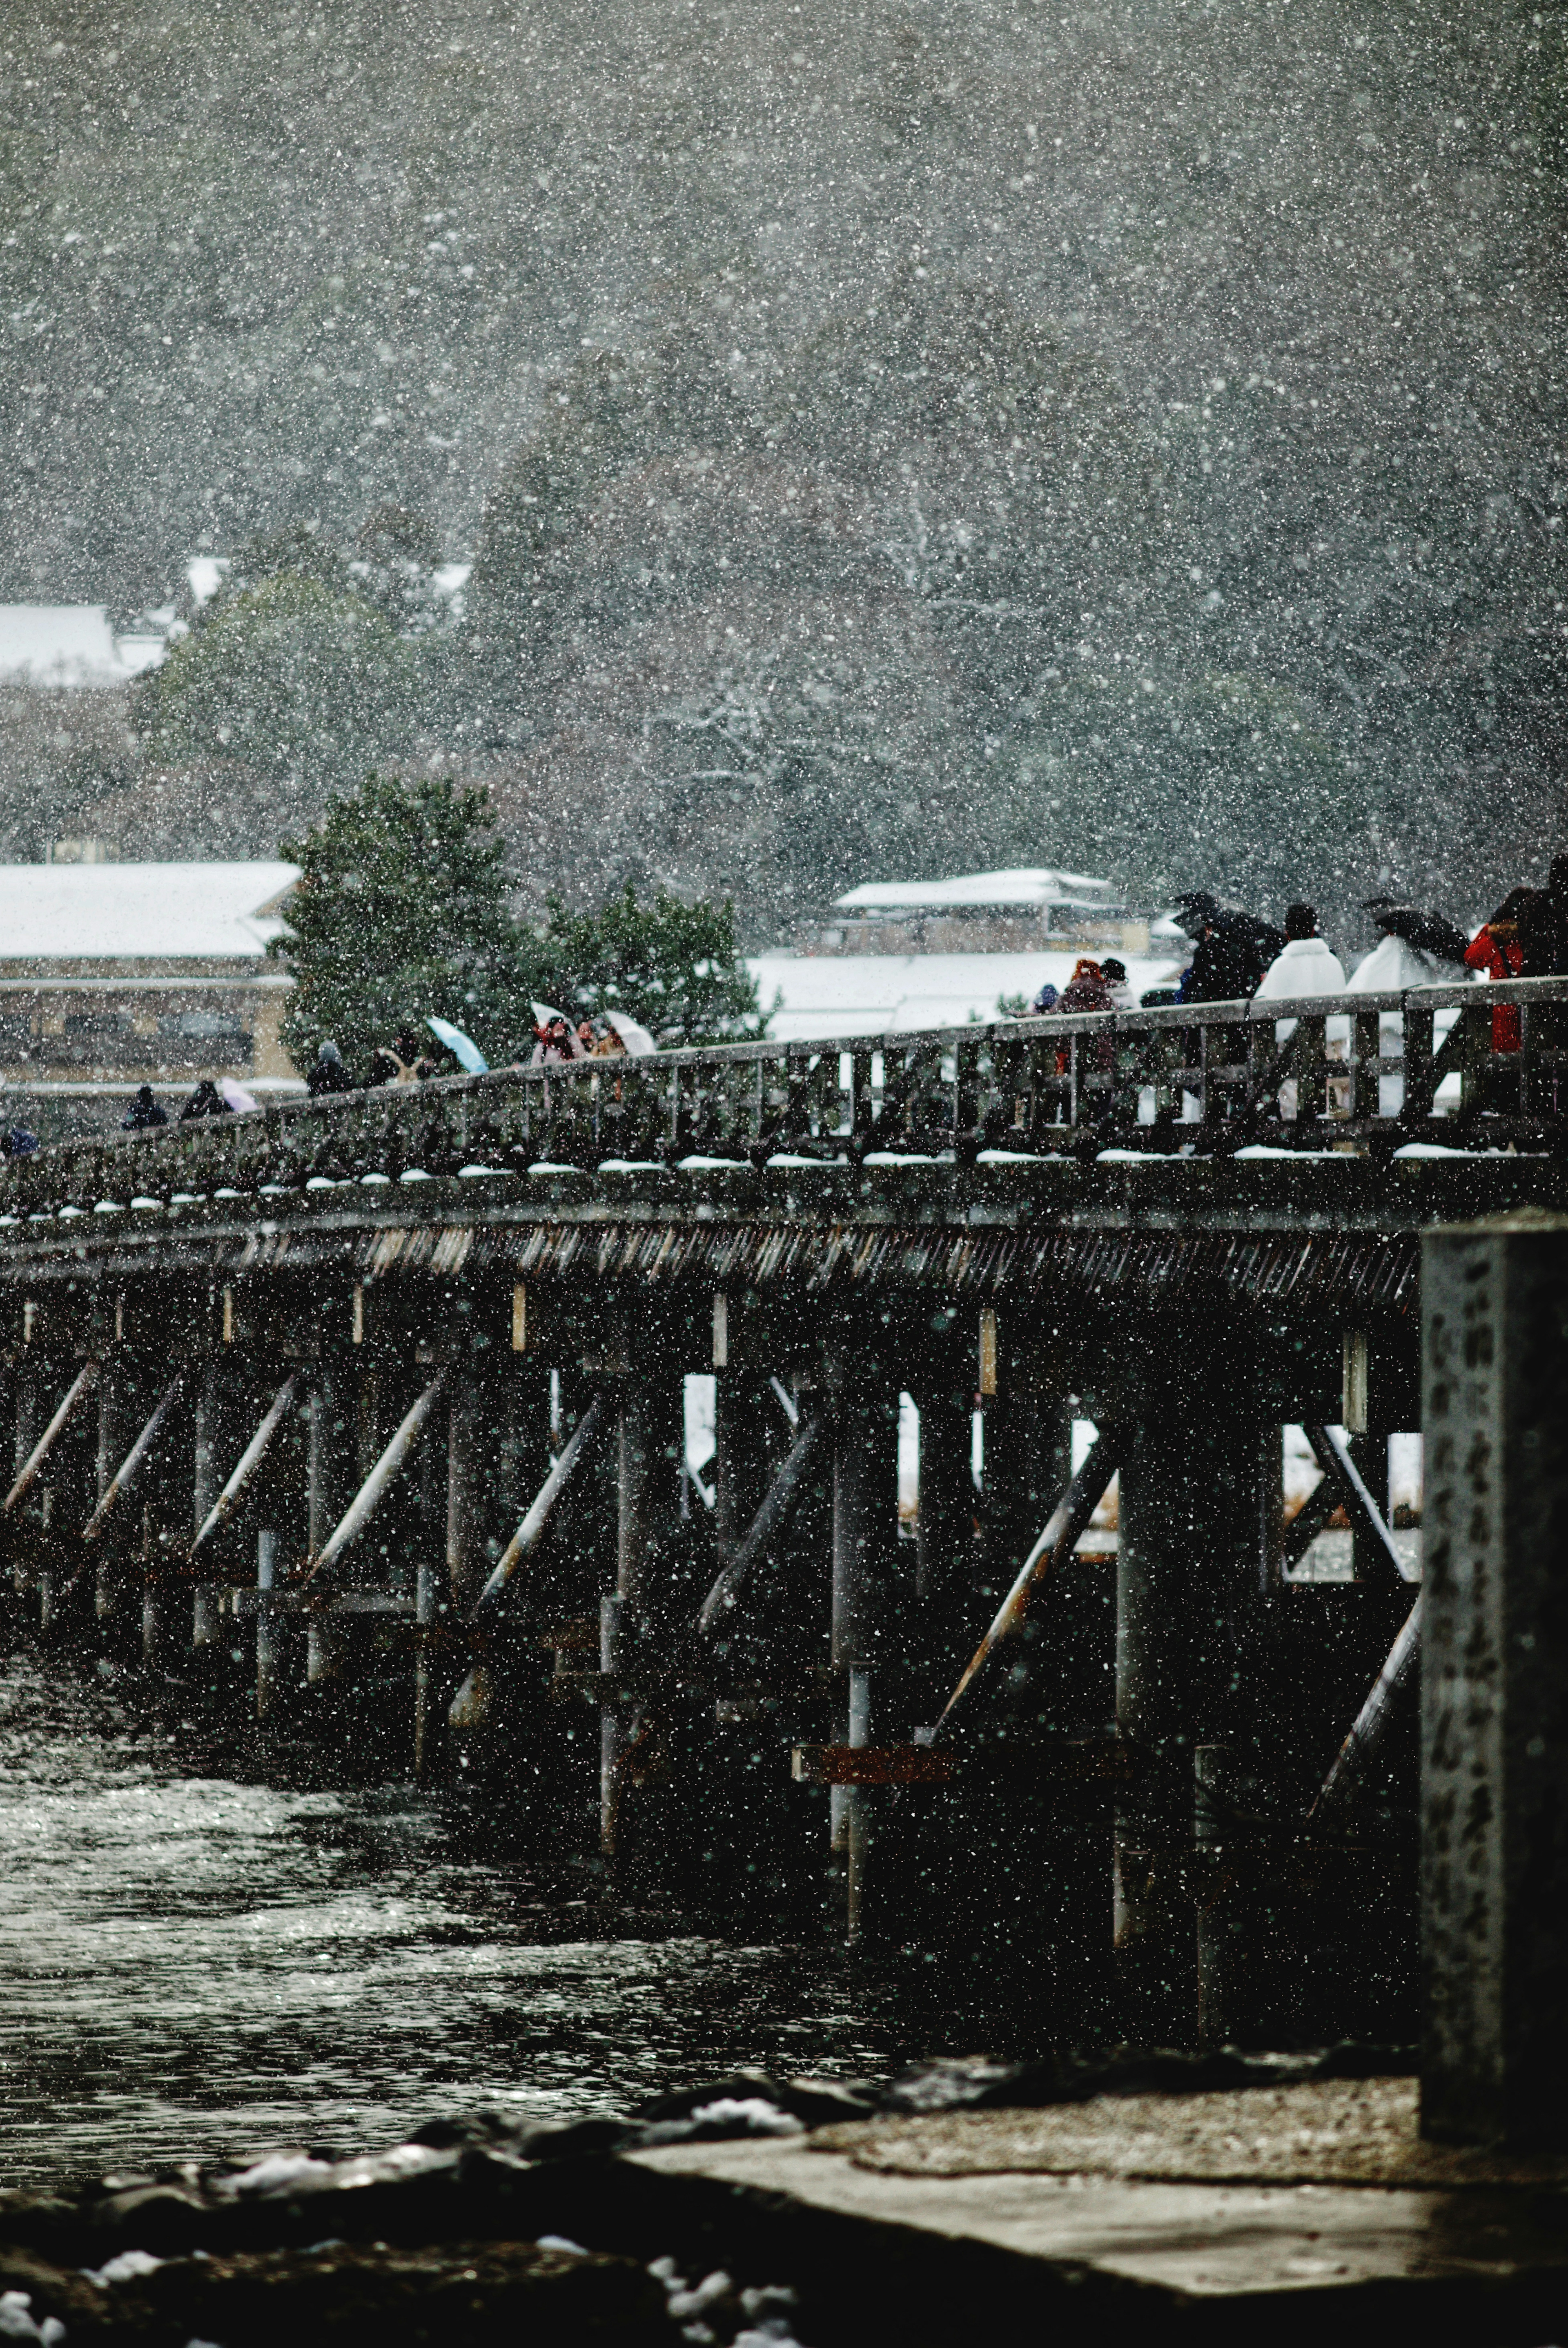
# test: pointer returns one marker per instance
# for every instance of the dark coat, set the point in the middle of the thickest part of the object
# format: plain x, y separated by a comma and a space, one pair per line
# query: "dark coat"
1233, 954
328, 1077
205, 1101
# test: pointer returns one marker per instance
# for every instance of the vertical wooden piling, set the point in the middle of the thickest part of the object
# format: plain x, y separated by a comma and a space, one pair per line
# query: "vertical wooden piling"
742, 1408
1186, 1575
449, 1596
270, 1628
115, 1433
1222, 1945
206, 1483
1028, 1466
468, 1564
329, 1488
651, 1440
865, 1557
427, 1601
944, 1519
25, 1397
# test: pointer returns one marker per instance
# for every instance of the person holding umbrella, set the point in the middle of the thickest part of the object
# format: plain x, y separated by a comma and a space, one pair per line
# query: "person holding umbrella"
463, 1048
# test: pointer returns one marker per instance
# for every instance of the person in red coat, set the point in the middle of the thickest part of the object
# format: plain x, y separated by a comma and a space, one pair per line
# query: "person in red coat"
1496, 950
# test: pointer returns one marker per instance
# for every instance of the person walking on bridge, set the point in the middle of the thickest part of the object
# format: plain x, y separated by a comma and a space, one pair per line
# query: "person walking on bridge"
143, 1112
329, 1074
1233, 949
1307, 966
205, 1101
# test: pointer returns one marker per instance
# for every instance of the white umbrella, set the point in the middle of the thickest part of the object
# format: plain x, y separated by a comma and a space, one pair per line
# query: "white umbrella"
631, 1033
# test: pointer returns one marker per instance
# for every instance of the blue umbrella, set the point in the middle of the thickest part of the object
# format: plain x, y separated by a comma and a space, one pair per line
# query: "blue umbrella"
467, 1050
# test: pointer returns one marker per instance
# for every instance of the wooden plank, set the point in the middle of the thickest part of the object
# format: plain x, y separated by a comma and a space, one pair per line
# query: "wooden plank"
872, 1765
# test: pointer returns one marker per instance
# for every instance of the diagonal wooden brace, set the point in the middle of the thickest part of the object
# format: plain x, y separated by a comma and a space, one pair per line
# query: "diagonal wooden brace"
377, 1484
79, 1388
530, 1532
229, 1498
1069, 1519
778, 1502
1334, 1459
1345, 1780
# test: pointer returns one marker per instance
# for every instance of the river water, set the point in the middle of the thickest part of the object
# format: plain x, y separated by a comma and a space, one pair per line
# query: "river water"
192, 1965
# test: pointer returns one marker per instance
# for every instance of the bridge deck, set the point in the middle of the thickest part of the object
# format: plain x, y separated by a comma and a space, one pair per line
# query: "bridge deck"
1421, 1069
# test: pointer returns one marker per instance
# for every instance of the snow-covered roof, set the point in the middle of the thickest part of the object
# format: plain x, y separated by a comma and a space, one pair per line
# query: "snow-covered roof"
140, 912
1026, 885
875, 994
71, 644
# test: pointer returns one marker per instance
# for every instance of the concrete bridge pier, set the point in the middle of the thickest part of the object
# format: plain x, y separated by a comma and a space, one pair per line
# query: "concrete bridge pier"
1494, 1686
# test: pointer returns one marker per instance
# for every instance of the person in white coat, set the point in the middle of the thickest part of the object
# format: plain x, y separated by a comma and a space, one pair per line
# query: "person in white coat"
1306, 968
1391, 968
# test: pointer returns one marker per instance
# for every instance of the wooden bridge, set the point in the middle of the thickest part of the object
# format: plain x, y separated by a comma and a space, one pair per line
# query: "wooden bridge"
373, 1410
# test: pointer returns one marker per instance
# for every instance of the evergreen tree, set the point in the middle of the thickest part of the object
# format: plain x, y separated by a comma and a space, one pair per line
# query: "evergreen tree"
401, 911
673, 966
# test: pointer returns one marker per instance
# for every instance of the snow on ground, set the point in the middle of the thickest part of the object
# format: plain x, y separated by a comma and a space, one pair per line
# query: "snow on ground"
873, 994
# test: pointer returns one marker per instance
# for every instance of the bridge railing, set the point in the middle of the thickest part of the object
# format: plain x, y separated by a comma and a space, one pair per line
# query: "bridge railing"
1435, 1062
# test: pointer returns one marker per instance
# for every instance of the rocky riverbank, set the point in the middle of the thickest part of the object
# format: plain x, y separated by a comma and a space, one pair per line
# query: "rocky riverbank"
474, 2228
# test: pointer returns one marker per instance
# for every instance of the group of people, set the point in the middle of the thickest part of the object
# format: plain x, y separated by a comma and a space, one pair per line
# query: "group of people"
1236, 957
405, 1060
223, 1098
556, 1039
408, 1059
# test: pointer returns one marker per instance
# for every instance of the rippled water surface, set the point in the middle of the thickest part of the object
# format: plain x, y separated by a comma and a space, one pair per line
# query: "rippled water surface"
190, 1965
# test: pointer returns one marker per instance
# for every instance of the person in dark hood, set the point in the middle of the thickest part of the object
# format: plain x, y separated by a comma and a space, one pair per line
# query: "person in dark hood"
329, 1074
1544, 925
143, 1112
1113, 969
205, 1101
1233, 949
17, 1142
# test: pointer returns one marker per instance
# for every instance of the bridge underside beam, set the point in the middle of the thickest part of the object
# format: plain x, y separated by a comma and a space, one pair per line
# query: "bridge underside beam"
1202, 1341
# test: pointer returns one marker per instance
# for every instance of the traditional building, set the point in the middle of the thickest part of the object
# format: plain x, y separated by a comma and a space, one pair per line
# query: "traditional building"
113, 975
1028, 909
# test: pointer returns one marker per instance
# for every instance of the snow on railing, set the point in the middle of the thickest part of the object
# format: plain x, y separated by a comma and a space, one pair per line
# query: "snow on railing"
1435, 1064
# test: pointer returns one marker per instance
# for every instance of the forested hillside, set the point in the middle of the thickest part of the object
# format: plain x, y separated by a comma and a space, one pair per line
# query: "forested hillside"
890, 437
